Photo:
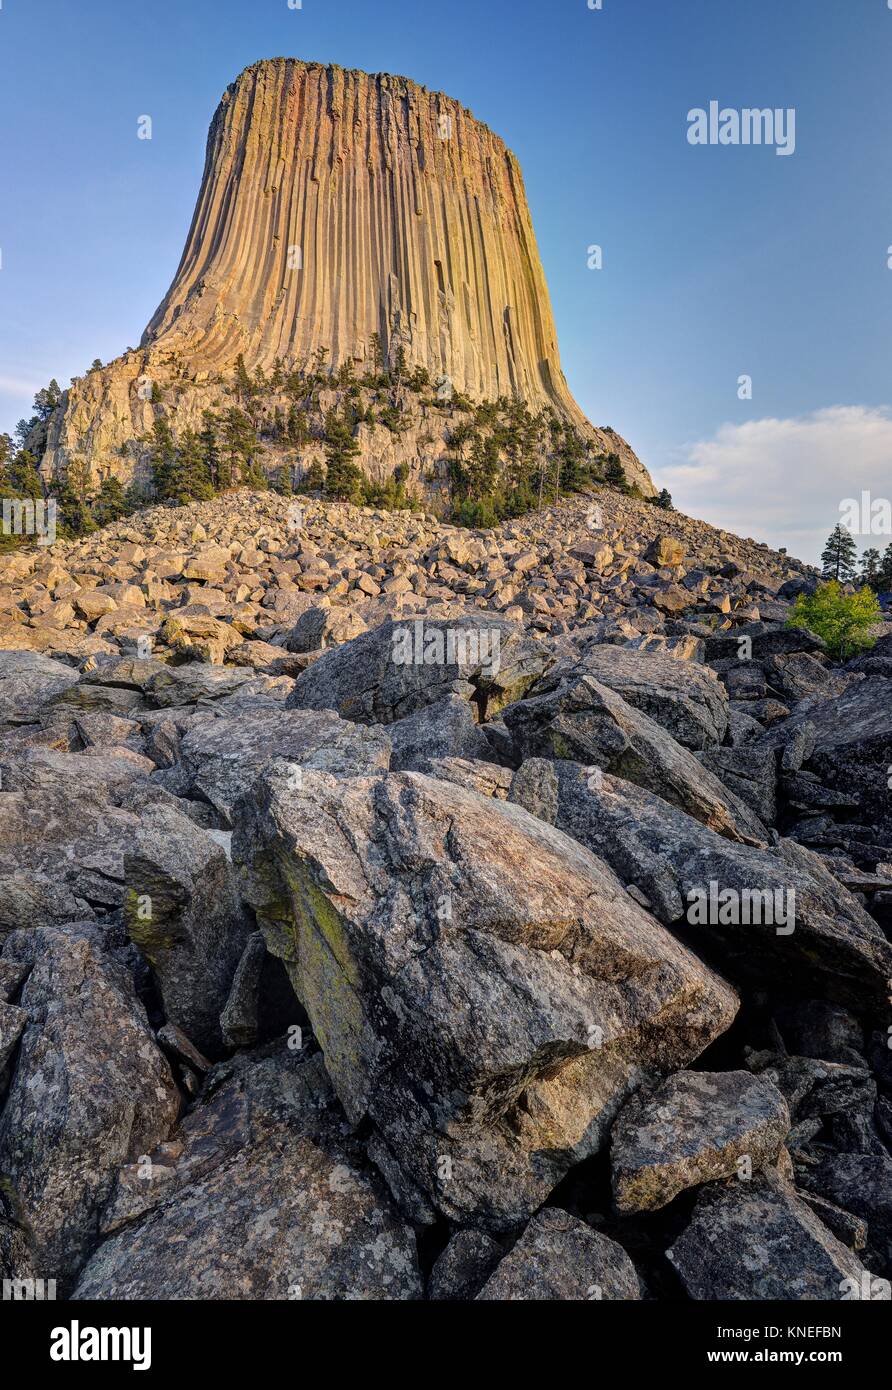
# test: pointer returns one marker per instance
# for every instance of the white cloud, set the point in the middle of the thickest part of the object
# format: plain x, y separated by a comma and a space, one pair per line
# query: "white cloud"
783, 481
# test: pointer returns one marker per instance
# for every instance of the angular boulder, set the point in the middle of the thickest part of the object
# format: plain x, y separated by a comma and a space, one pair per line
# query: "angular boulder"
220, 755
758, 1240
103, 773
462, 1269
794, 920
61, 856
483, 988
861, 1183
444, 730
853, 748
184, 685
267, 1192
560, 1258
400, 667
183, 911
28, 680
685, 699
91, 1091
324, 626
696, 1126
582, 720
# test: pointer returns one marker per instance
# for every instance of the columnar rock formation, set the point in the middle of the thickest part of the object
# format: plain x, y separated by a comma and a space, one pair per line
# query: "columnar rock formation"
337, 205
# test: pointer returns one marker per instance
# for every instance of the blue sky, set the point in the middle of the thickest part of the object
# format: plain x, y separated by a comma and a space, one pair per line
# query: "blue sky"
718, 261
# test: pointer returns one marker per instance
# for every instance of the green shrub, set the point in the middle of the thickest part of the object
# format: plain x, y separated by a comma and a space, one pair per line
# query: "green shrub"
842, 620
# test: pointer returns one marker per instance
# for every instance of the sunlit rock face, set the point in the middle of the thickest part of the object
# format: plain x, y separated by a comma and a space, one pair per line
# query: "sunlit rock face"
336, 205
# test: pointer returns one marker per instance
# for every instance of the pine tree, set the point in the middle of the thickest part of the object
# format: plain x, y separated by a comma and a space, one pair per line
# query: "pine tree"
23, 475
572, 458
111, 503
162, 458
614, 473
345, 373
46, 401
75, 498
839, 555
886, 570
6, 448
192, 479
239, 445
871, 567
377, 352
210, 449
244, 384
313, 479
343, 479
297, 430
19, 479
8, 541
663, 500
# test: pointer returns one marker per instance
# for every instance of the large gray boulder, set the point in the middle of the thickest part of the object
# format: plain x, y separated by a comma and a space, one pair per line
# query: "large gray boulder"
402, 666
684, 698
324, 626
485, 992
798, 676
582, 720
696, 1126
444, 730
758, 1240
861, 1183
559, 1257
12, 1025
750, 773
61, 856
183, 910
461, 1270
105, 773
853, 749
765, 642
783, 912
28, 681
261, 1002
266, 1194
171, 686
90, 1091
221, 755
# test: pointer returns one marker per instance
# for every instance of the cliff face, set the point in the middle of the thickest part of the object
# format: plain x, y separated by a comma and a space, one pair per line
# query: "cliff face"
336, 205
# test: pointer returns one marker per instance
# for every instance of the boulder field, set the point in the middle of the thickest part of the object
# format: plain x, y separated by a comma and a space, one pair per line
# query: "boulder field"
395, 911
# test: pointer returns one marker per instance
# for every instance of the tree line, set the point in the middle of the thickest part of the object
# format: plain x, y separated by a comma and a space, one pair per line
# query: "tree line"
839, 561
503, 460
